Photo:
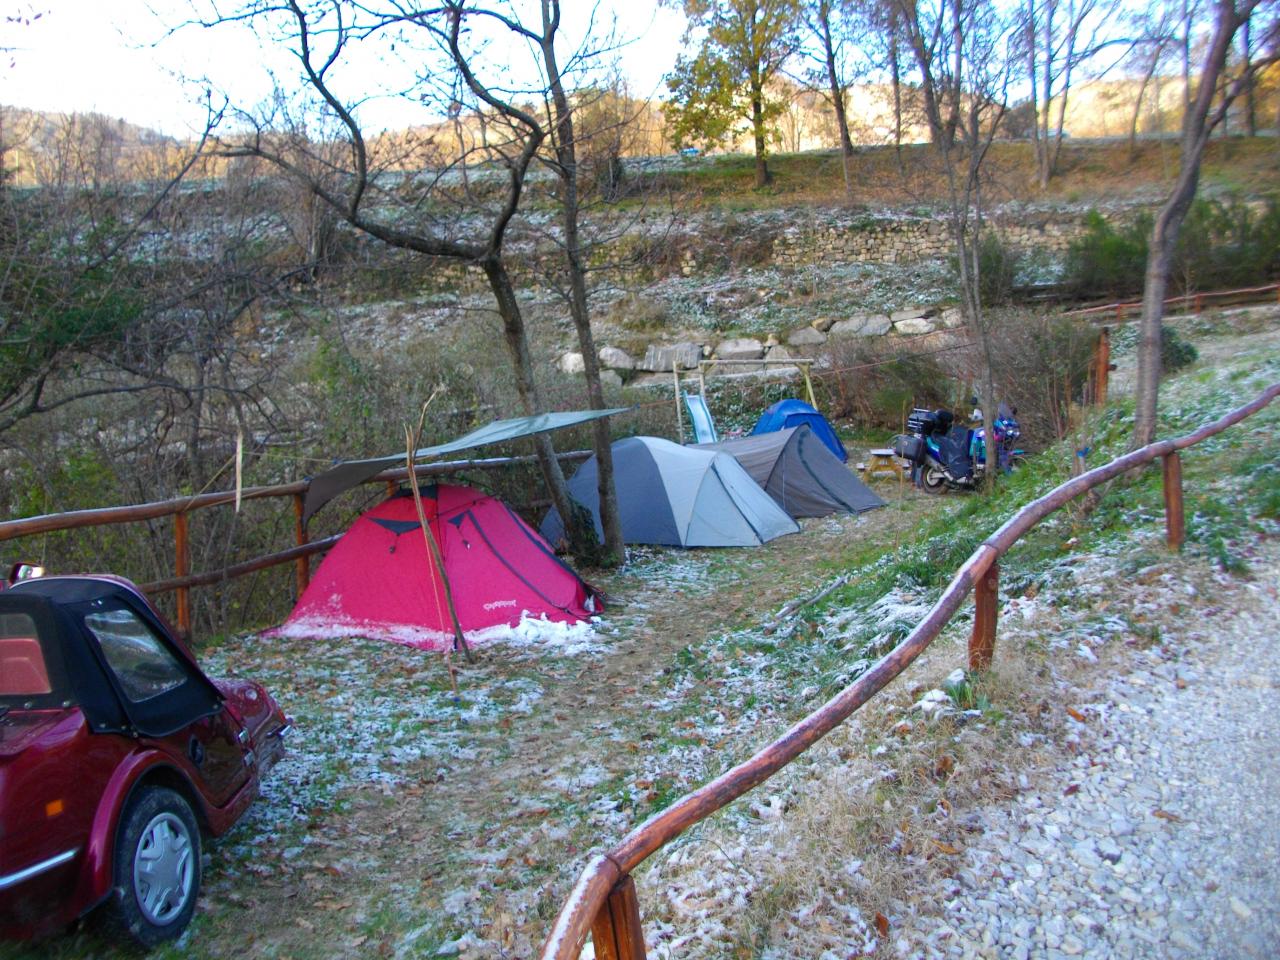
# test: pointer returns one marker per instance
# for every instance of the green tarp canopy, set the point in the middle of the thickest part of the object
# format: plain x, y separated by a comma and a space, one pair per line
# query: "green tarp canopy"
349, 473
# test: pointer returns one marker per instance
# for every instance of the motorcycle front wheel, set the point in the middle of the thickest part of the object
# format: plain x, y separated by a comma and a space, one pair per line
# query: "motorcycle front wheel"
932, 479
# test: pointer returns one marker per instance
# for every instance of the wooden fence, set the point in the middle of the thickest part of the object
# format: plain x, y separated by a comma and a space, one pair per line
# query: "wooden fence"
604, 903
183, 580
1195, 301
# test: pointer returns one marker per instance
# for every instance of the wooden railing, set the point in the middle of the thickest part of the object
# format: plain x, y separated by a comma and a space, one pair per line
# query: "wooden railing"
604, 903
1194, 301
180, 508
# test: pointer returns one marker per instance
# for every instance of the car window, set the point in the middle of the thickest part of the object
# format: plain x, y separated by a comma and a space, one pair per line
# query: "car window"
23, 672
144, 666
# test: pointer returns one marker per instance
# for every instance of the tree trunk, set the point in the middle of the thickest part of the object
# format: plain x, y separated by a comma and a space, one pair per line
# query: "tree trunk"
579, 309
757, 127
518, 347
895, 78
1250, 83
837, 99
1032, 41
1197, 126
1137, 106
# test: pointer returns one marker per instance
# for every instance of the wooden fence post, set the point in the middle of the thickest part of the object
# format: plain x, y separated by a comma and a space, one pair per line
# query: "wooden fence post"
1174, 522
1102, 367
616, 930
182, 568
302, 566
986, 596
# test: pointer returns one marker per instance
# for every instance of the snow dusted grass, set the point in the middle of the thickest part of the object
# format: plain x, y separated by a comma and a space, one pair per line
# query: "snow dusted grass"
832, 859
405, 823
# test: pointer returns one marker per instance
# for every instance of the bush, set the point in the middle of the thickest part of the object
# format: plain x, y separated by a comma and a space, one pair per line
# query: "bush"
1175, 353
1222, 244
997, 270
1108, 261
1043, 367
876, 381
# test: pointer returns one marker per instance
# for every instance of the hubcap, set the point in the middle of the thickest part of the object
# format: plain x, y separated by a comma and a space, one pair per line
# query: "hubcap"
163, 869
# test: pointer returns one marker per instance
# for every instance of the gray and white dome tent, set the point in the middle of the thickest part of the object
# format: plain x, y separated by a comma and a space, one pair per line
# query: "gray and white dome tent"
678, 496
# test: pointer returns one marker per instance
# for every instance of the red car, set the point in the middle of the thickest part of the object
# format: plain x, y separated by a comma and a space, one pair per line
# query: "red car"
117, 754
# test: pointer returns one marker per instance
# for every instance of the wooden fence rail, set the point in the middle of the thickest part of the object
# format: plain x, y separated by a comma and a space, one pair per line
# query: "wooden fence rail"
179, 508
603, 901
1196, 301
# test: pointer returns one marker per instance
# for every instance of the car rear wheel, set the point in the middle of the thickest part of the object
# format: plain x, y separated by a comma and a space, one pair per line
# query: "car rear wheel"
157, 868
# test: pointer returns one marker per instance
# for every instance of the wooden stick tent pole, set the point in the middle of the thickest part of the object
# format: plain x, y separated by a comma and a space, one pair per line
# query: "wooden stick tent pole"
675, 375
412, 437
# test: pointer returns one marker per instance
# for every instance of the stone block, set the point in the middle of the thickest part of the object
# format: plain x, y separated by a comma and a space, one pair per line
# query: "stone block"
616, 359
571, 363
610, 380
951, 318
822, 324
778, 352
660, 358
806, 337
914, 326
741, 348
909, 313
864, 325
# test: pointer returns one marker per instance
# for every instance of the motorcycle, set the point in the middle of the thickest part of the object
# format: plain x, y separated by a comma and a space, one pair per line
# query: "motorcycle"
945, 455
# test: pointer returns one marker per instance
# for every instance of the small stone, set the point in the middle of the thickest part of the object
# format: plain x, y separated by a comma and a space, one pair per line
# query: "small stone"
1240, 908
1180, 939
1071, 945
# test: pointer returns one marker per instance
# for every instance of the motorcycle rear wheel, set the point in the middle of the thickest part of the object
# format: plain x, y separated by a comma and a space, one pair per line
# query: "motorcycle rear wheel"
933, 480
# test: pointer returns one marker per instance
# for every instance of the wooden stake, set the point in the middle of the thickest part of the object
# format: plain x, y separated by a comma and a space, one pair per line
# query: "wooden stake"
616, 930
675, 375
1102, 367
986, 596
412, 437
181, 568
808, 385
1174, 522
302, 566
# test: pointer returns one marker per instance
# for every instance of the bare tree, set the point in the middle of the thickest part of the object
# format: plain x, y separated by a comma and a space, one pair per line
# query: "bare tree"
835, 28
1059, 37
565, 143
71, 272
1154, 39
402, 211
963, 61
1213, 98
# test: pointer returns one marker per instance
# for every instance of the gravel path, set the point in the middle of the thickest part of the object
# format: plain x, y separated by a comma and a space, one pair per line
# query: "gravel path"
1157, 833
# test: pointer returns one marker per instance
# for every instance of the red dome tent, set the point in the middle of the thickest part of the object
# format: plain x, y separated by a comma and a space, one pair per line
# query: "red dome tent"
379, 580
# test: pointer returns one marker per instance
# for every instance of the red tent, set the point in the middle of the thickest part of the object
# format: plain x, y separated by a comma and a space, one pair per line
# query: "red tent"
379, 580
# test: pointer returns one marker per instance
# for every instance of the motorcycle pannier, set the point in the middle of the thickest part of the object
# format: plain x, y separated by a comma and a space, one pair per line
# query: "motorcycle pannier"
909, 448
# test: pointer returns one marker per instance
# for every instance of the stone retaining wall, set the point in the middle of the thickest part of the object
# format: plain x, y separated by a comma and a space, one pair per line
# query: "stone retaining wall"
906, 240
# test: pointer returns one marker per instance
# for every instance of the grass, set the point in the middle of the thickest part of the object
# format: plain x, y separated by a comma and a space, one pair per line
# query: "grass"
404, 821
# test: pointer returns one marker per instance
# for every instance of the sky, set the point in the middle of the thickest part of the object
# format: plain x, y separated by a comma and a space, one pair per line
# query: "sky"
123, 58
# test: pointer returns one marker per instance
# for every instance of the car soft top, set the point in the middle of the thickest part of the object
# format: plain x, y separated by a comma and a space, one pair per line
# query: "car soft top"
58, 606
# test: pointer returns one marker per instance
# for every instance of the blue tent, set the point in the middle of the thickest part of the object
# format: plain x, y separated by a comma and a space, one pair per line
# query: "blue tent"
793, 413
